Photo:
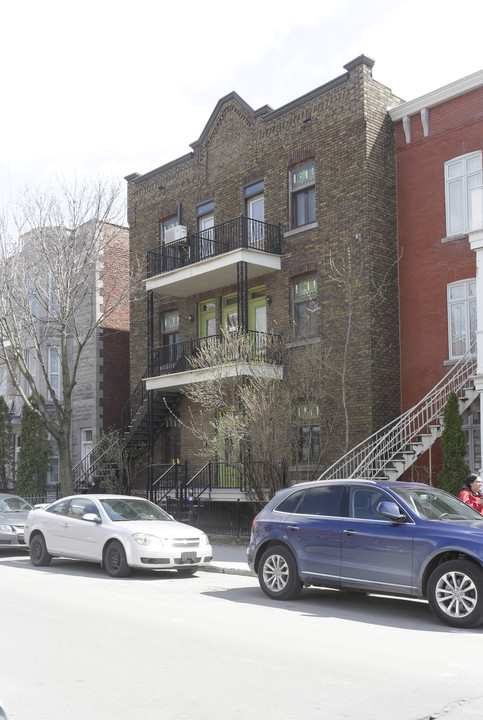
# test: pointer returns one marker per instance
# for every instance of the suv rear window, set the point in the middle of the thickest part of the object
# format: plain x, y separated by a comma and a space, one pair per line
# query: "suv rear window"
315, 501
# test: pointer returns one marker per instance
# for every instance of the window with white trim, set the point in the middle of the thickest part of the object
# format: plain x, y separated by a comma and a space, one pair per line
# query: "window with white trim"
461, 317
54, 371
461, 176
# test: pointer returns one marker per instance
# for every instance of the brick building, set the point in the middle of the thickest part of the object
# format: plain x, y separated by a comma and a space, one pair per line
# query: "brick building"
281, 223
439, 176
102, 383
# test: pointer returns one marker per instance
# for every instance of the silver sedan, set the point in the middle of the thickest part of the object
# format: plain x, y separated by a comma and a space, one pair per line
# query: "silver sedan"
13, 515
118, 531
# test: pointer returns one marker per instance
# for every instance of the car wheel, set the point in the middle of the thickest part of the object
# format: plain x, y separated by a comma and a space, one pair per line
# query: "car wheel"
277, 573
186, 572
38, 551
115, 560
455, 593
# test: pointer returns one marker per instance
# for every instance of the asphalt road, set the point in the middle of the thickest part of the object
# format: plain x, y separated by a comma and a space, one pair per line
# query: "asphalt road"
78, 645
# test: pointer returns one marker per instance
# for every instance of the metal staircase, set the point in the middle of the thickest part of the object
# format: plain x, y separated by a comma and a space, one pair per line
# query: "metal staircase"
390, 451
135, 431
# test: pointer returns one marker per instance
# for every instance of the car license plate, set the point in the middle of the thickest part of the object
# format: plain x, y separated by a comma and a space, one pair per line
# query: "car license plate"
188, 557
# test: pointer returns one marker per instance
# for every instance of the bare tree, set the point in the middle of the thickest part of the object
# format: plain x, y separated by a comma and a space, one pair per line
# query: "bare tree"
55, 294
256, 419
359, 341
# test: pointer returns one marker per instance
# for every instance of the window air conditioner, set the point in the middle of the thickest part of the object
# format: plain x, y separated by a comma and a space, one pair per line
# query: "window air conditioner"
175, 233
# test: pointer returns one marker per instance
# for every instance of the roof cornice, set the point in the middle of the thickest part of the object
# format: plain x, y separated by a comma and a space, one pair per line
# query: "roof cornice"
436, 97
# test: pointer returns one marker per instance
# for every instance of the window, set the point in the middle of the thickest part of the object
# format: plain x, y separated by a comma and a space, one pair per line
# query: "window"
170, 337
206, 233
255, 210
3, 379
171, 256
305, 307
461, 175
308, 451
54, 371
364, 502
167, 225
59, 508
461, 317
86, 447
471, 428
54, 306
53, 477
31, 363
322, 501
302, 194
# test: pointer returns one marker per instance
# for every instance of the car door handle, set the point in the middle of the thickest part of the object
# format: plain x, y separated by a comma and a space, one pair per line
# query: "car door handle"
64, 525
292, 527
350, 532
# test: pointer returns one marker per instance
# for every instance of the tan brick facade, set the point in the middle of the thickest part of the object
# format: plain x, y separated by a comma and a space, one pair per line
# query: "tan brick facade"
344, 128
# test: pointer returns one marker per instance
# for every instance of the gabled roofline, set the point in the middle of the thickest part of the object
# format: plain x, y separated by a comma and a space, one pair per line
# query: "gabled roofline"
222, 101
266, 112
436, 97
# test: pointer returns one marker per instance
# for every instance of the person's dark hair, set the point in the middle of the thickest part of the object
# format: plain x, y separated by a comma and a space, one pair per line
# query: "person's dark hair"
470, 480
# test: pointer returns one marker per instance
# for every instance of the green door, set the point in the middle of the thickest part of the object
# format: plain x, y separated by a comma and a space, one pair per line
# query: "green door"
228, 449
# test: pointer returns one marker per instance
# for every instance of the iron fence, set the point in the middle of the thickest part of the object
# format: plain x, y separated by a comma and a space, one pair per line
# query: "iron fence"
241, 232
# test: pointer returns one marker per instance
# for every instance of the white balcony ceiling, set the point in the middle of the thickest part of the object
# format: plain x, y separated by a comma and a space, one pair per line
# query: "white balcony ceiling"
213, 273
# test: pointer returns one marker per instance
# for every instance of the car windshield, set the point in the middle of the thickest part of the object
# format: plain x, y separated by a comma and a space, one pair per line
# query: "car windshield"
136, 509
432, 504
14, 504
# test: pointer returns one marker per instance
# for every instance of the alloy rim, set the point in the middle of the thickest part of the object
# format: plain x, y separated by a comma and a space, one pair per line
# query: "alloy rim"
456, 594
275, 573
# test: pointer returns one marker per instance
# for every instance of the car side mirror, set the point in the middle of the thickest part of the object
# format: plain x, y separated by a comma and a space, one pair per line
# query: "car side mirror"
391, 511
92, 517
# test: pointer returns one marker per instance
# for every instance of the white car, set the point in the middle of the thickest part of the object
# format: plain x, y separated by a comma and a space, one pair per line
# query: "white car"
119, 531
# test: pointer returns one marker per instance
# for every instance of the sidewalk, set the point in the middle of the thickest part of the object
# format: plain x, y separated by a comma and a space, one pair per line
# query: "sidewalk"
230, 559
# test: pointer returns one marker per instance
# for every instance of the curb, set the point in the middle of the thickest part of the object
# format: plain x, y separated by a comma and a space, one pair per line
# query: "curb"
228, 569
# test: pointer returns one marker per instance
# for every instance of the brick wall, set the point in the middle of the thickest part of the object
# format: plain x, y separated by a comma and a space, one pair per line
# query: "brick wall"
344, 127
427, 264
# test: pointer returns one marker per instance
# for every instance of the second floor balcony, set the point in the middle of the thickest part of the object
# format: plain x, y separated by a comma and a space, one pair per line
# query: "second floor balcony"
200, 359
208, 259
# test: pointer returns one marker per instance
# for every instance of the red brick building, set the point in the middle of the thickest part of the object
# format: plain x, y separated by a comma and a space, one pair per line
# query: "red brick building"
439, 140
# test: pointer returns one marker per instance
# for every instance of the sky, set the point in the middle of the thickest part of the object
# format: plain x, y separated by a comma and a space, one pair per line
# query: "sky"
112, 87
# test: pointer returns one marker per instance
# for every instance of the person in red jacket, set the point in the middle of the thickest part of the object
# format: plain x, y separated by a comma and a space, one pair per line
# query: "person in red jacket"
471, 493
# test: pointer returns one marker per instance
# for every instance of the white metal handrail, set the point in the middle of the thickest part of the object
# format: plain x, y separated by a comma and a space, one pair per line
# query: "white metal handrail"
375, 452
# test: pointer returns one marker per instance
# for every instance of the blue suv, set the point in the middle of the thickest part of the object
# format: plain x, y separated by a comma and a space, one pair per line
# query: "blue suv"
377, 536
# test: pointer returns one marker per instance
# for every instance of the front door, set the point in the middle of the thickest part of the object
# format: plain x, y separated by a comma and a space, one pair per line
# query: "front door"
206, 225
257, 318
206, 319
228, 449
256, 217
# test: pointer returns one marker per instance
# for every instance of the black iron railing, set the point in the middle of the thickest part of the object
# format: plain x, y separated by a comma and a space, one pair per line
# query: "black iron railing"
254, 347
238, 233
216, 475
134, 404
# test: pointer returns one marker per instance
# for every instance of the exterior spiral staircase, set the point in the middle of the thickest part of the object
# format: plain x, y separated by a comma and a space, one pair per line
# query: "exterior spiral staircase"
390, 451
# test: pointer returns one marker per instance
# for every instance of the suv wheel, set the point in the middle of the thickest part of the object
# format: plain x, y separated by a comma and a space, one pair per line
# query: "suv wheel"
277, 573
455, 593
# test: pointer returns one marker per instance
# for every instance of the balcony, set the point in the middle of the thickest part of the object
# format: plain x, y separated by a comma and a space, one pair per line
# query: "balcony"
173, 366
207, 260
